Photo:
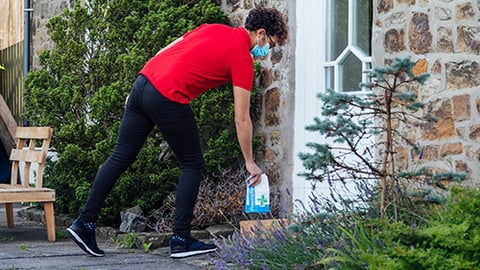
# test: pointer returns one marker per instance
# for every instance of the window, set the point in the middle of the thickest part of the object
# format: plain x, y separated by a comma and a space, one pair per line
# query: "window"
348, 44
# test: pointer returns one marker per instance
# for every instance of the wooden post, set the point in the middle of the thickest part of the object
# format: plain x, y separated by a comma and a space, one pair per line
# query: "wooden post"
8, 127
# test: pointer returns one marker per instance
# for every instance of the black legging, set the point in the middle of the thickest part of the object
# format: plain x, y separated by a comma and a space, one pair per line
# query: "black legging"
145, 108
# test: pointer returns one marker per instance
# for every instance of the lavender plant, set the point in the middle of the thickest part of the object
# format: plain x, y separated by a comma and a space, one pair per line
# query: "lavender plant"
296, 243
278, 248
282, 247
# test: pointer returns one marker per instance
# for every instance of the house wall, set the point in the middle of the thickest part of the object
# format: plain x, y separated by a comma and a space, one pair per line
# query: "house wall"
443, 37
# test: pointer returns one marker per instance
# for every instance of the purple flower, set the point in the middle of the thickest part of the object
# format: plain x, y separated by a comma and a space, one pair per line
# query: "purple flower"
427, 181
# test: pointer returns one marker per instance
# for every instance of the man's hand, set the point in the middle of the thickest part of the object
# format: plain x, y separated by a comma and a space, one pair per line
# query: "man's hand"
255, 173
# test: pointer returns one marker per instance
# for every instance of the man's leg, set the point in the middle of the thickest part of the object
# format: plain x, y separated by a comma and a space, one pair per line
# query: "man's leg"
177, 123
134, 129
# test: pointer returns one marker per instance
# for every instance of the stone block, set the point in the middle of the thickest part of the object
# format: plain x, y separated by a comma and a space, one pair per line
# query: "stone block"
444, 127
272, 104
421, 66
451, 149
474, 132
419, 35
464, 74
133, 220
461, 107
157, 240
384, 6
444, 40
464, 11
430, 152
218, 231
469, 39
394, 40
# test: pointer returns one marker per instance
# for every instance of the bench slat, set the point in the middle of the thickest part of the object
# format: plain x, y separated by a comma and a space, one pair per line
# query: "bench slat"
27, 155
34, 132
16, 193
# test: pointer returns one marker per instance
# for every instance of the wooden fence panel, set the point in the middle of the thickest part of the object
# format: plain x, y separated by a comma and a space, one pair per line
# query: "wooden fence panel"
11, 22
11, 79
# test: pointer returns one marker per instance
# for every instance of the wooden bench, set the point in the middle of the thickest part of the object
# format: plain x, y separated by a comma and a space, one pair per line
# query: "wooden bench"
32, 147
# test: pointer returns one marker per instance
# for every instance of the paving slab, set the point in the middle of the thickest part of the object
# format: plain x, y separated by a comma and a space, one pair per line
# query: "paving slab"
26, 247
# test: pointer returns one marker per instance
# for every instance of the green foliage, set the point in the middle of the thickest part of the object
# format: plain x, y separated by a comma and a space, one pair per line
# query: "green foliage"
80, 91
24, 247
363, 246
129, 240
448, 241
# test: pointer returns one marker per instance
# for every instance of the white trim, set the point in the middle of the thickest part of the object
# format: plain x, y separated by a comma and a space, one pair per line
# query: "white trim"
309, 79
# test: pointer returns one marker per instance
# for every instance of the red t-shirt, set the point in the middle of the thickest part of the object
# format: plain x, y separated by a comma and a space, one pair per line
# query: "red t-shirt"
206, 57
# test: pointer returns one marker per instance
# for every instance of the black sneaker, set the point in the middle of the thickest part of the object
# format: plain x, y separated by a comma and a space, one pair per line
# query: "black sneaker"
184, 247
83, 233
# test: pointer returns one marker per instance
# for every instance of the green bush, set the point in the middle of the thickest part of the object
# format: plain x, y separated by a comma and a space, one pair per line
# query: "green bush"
80, 91
450, 240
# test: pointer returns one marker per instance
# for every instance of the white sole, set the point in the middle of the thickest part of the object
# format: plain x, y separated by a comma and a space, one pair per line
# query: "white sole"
191, 253
78, 240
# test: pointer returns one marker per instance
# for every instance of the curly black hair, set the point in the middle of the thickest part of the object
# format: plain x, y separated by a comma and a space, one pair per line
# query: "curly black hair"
269, 19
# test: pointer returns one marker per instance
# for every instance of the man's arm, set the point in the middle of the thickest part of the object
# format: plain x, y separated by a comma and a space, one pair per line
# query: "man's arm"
244, 127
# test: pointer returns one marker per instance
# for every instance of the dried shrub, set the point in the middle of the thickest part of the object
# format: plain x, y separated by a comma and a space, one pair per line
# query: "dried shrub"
220, 201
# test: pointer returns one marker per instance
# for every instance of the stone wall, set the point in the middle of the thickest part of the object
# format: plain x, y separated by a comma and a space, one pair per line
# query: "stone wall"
42, 12
277, 84
443, 37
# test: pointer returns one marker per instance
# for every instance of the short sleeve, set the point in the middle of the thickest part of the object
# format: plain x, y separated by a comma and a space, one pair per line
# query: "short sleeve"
242, 72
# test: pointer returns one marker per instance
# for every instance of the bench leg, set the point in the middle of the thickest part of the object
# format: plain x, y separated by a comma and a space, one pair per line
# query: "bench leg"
50, 220
9, 210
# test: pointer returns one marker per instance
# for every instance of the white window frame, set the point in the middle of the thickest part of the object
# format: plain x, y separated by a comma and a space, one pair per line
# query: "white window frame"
351, 48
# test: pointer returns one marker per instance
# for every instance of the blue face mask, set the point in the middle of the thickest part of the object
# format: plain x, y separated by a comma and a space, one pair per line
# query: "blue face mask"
258, 51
